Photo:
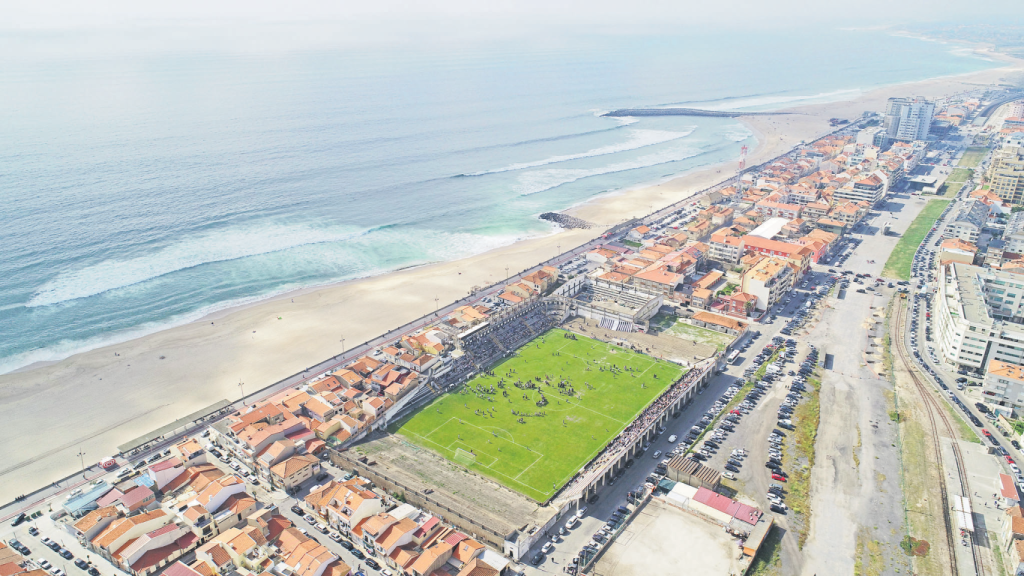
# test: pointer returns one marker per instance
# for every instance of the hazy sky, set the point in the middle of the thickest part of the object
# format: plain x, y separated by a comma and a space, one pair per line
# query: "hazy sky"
312, 22
45, 13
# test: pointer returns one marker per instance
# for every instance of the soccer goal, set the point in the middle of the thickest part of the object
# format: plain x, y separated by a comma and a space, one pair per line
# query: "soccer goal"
463, 457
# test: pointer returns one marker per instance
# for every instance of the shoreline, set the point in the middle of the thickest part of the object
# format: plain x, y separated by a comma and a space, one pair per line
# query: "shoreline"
162, 375
218, 311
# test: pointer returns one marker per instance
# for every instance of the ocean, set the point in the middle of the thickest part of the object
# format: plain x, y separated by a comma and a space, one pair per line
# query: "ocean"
143, 190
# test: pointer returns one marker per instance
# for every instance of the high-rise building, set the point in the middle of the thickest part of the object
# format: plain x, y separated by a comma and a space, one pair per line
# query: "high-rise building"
908, 119
1016, 109
1006, 174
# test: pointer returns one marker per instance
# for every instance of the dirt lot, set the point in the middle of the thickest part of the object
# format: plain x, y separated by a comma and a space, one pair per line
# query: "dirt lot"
476, 497
665, 540
670, 347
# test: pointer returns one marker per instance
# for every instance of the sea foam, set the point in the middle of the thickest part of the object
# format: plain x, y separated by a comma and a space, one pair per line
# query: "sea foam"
218, 246
541, 180
638, 139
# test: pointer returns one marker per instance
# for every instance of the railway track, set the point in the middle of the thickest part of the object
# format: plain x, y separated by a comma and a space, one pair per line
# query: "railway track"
933, 409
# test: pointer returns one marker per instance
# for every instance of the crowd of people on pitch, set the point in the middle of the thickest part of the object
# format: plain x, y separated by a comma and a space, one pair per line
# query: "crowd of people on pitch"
631, 434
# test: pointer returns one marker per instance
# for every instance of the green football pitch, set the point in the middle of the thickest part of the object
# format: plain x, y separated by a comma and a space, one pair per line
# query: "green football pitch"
498, 429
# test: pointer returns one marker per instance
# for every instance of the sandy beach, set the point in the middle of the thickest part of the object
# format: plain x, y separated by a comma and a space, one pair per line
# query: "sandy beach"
99, 399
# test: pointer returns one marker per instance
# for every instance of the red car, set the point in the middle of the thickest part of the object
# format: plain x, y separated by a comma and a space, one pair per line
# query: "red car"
985, 432
1008, 459
736, 412
779, 478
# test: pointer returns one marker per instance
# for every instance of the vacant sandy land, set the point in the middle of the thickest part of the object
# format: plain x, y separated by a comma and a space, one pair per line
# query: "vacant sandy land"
665, 540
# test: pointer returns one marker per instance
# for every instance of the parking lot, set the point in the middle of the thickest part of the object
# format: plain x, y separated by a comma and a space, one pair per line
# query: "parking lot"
51, 559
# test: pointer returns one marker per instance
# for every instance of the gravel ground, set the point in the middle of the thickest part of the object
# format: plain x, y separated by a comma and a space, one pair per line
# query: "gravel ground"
650, 545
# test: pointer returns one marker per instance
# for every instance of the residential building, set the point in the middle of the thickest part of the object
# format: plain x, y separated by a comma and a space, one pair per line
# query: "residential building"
154, 549
968, 218
395, 535
431, 559
874, 136
217, 493
138, 498
344, 505
1013, 534
768, 281
1006, 174
797, 255
978, 316
121, 530
88, 526
302, 555
1004, 385
164, 472
869, 189
908, 119
815, 210
639, 233
725, 249
847, 213
255, 439
770, 209
294, 470
957, 250
1013, 235
657, 280
739, 304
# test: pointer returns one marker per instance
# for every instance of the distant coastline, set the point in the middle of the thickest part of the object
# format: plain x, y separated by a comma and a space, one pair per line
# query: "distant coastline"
631, 112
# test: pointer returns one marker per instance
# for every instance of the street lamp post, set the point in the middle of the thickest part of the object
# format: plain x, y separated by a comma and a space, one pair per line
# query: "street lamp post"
436, 305
81, 457
343, 345
242, 389
506, 274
